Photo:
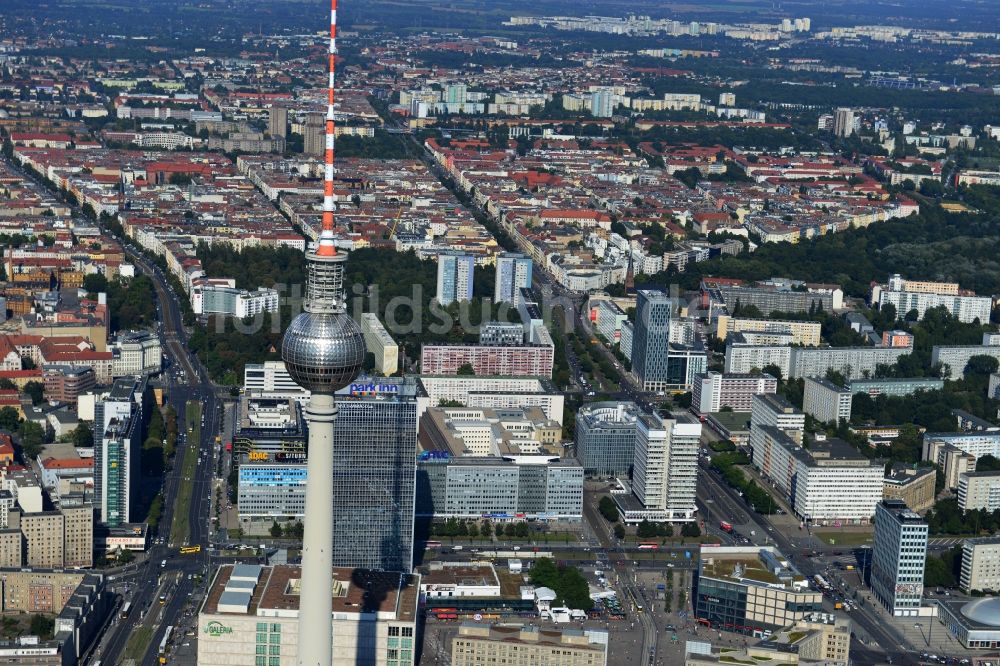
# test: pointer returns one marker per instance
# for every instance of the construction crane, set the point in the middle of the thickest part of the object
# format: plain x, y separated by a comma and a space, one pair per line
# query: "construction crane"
395, 223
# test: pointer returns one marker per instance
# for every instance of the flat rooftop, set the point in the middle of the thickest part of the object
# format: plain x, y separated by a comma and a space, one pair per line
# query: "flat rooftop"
472, 575
757, 564
354, 591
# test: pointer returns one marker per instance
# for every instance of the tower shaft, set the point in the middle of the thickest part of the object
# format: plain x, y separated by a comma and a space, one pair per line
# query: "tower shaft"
316, 587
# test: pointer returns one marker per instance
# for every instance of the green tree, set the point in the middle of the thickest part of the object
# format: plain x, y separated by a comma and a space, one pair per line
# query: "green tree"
619, 531
987, 463
95, 283
608, 509
32, 437
276, 530
83, 435
690, 530
486, 529
466, 370
646, 530
36, 391
42, 626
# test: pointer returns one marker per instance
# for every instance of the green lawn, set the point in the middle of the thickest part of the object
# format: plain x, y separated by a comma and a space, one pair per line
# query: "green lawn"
180, 528
138, 643
844, 538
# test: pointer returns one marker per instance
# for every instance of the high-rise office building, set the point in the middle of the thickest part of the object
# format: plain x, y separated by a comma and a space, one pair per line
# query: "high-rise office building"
665, 466
375, 444
277, 122
652, 337
118, 424
898, 558
513, 273
843, 122
454, 277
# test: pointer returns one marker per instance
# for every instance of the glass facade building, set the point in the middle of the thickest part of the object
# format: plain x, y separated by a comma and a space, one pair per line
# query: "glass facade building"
497, 488
118, 432
750, 590
375, 440
272, 491
605, 437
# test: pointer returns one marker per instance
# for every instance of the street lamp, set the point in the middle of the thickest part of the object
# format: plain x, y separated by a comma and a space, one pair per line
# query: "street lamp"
930, 628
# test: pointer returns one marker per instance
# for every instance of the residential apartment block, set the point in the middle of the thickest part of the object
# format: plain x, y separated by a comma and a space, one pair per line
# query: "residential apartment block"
964, 306
825, 401
805, 333
979, 490
522, 360
380, 343
455, 273
894, 386
714, 390
980, 565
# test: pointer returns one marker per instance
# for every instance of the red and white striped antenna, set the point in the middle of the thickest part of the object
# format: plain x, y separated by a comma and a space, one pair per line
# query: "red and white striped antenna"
326, 247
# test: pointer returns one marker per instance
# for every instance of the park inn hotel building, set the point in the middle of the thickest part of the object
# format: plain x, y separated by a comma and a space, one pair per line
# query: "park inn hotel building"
250, 617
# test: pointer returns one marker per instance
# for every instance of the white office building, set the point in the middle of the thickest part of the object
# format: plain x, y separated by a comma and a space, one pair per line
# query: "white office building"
825, 401
664, 469
774, 410
494, 392
135, 353
270, 379
828, 482
899, 555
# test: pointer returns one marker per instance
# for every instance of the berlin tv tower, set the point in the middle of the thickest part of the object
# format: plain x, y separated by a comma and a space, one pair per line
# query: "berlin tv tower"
323, 350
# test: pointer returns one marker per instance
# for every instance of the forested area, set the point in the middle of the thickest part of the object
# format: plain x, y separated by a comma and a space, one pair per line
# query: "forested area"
963, 248
399, 287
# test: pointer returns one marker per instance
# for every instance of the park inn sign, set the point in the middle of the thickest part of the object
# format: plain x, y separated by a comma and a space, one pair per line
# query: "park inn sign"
217, 629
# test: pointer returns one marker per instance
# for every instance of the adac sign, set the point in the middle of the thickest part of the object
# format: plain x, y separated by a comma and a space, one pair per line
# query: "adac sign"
217, 629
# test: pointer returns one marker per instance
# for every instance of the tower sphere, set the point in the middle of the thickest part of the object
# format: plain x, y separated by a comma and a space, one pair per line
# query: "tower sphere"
323, 352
